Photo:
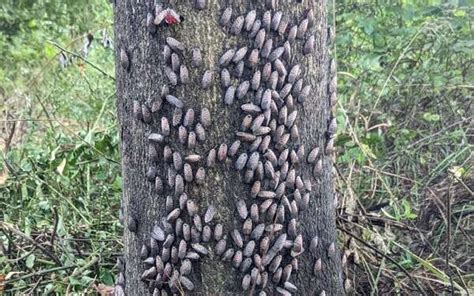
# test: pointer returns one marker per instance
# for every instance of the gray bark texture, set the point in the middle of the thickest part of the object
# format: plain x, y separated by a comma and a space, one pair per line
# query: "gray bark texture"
142, 81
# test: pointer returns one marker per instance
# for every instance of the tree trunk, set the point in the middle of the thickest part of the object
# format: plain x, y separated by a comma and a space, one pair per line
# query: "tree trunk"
140, 75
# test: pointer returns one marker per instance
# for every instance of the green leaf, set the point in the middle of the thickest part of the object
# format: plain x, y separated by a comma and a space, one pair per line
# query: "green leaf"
49, 50
30, 261
60, 167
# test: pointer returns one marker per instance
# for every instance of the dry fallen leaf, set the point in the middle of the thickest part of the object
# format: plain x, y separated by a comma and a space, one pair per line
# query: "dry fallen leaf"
104, 290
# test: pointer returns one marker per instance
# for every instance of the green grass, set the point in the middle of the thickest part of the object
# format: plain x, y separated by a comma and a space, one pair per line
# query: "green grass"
405, 91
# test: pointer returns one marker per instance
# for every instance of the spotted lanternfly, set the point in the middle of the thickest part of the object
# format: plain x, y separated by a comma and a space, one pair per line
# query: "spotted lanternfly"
246, 281
253, 57
332, 127
192, 140
291, 119
297, 87
197, 222
239, 69
188, 120
169, 16
255, 82
274, 265
292, 34
273, 81
266, 99
276, 53
237, 238
220, 247
186, 231
211, 158
245, 265
255, 28
156, 105
149, 23
167, 53
246, 137
165, 126
333, 99
276, 20
188, 173
294, 73
318, 168
317, 267
200, 176
283, 25
222, 152
206, 79
167, 154
205, 117
284, 91
226, 57
196, 59
308, 47
333, 85
330, 146
302, 28
124, 61
184, 74
265, 144
210, 213
229, 95
200, 4
241, 161
233, 148
171, 75
225, 78
237, 25
182, 134
218, 231
137, 110
183, 202
287, 273
206, 233
250, 19
247, 227
177, 116
225, 17
267, 48
241, 209
175, 62
174, 101
239, 54
280, 67
156, 138
266, 72
132, 224
304, 93
260, 38
332, 67
158, 185
229, 254
249, 176
200, 132
169, 204
289, 102
242, 89
177, 161
171, 177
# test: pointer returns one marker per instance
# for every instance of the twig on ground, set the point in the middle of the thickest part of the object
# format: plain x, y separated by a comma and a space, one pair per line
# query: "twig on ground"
417, 285
82, 58
17, 232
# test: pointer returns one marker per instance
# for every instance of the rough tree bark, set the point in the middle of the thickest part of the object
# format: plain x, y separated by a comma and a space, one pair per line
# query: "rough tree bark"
142, 80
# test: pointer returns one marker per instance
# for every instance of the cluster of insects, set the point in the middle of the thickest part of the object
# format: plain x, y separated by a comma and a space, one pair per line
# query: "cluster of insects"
262, 78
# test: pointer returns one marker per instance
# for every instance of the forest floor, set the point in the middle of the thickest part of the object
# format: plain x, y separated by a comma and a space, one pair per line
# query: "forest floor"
404, 168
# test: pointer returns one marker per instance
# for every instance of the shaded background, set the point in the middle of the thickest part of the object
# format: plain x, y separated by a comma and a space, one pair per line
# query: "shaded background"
404, 163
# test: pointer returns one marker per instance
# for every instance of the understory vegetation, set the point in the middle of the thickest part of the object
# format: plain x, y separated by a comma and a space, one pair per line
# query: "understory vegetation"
404, 167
